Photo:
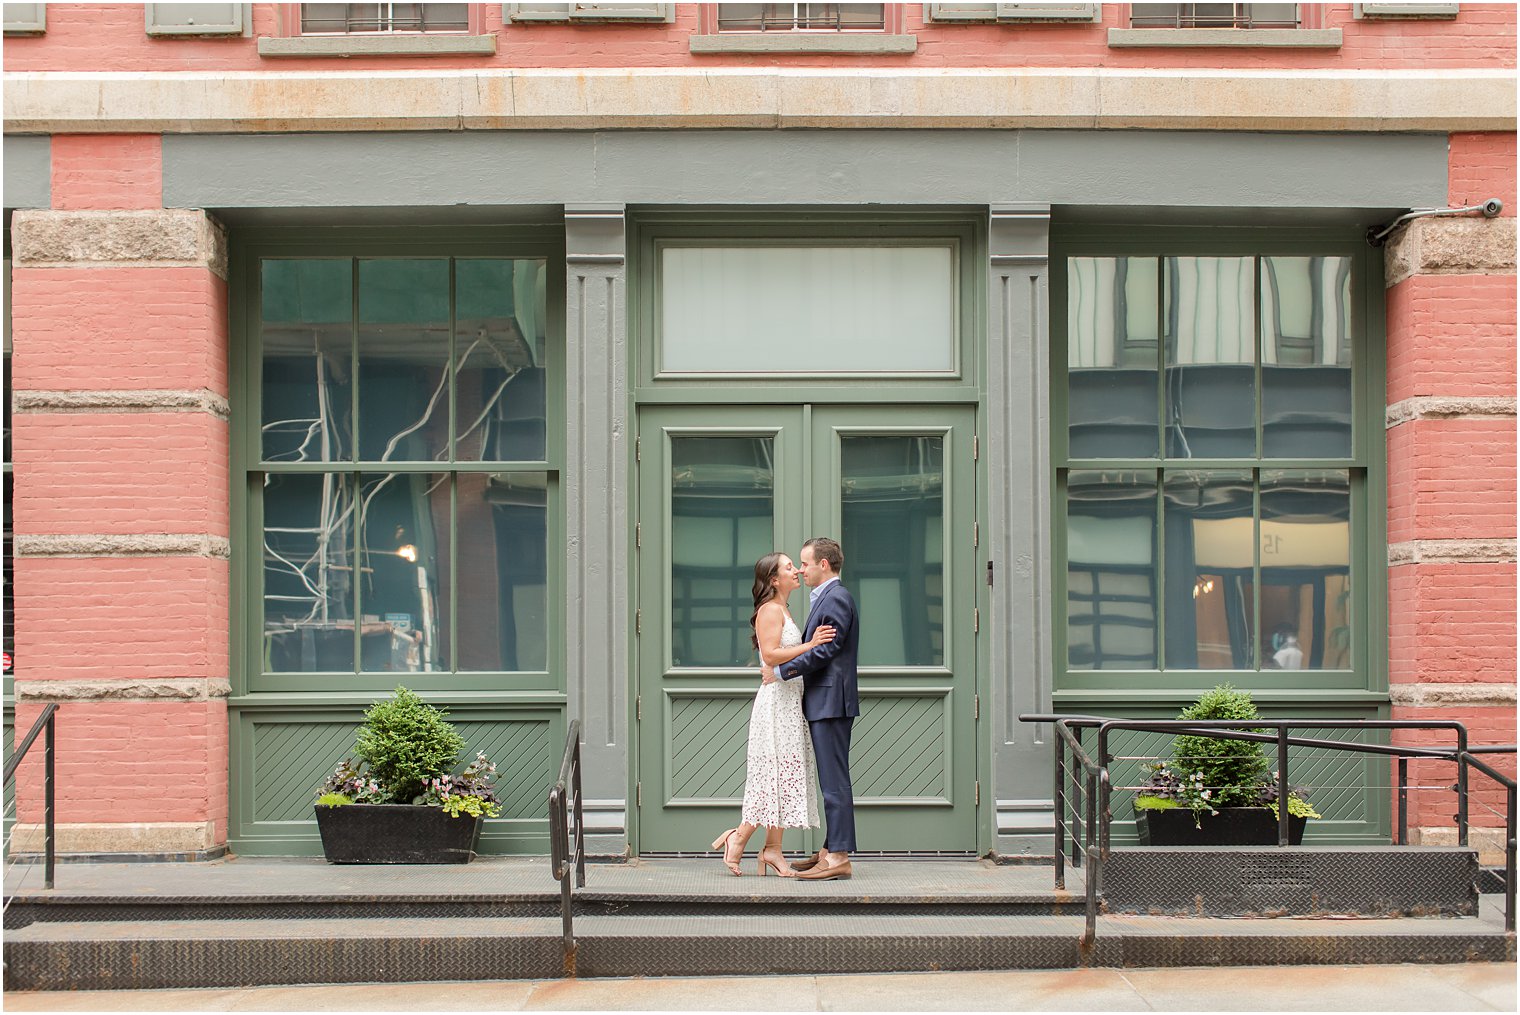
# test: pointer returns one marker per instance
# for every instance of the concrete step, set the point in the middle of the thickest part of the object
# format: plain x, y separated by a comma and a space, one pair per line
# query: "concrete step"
227, 953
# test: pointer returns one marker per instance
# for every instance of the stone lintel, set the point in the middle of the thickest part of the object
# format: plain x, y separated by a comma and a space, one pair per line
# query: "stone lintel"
200, 400
142, 545
1446, 407
127, 837
1474, 694
1489, 842
154, 238
170, 689
1429, 551
1450, 245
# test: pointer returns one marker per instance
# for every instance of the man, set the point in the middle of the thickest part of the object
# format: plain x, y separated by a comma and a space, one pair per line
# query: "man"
830, 703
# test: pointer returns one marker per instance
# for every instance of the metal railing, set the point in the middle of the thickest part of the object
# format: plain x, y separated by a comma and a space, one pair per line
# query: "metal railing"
565, 815
1096, 826
45, 721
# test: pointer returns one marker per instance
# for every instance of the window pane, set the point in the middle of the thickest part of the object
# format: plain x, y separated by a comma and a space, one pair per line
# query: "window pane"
1306, 357
307, 308
1306, 570
1210, 357
503, 594
308, 574
499, 352
893, 529
403, 360
721, 523
1111, 325
404, 525
1110, 570
1210, 553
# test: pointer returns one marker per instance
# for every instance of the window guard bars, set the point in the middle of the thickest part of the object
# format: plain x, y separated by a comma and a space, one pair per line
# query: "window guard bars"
1096, 828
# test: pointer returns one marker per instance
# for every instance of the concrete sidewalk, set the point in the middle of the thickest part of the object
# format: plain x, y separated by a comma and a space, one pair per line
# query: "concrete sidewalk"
1472, 987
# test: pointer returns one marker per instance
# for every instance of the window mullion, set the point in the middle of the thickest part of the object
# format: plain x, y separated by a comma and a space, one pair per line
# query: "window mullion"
1158, 569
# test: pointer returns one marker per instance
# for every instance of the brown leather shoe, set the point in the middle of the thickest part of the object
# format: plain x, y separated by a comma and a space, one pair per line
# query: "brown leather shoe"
839, 872
810, 862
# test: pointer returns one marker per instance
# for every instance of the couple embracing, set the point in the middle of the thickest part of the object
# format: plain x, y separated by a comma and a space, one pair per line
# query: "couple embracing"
799, 728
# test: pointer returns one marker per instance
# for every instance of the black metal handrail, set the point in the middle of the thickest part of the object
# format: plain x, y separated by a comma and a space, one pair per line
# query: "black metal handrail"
565, 804
48, 722
1099, 786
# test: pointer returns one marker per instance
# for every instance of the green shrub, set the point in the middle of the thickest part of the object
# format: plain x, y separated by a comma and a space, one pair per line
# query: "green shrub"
333, 800
405, 741
1232, 770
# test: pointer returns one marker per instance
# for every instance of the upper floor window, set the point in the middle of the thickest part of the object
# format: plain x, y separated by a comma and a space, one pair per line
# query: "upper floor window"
355, 19
801, 17
1214, 15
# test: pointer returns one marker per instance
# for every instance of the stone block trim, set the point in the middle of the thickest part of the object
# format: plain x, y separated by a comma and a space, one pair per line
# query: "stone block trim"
1415, 551
145, 545
110, 171
185, 689
1480, 695
164, 237
203, 400
1455, 245
1436, 407
149, 837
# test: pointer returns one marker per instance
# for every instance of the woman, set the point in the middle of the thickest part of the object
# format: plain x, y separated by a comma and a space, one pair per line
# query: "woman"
780, 790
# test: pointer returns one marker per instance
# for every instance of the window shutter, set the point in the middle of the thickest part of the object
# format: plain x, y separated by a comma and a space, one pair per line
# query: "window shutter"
1398, 10
961, 12
25, 19
1049, 12
589, 12
196, 19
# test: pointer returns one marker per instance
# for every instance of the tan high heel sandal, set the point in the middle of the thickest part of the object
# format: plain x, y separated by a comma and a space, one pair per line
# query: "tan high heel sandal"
785, 872
721, 842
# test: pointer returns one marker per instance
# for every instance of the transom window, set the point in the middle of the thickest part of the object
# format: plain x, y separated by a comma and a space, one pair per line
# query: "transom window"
801, 17
1211, 473
1214, 15
368, 19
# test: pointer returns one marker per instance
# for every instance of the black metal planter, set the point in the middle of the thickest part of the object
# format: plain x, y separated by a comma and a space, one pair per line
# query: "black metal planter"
1232, 826
396, 833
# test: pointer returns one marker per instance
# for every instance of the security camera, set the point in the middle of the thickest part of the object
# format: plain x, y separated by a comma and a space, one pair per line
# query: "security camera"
1492, 207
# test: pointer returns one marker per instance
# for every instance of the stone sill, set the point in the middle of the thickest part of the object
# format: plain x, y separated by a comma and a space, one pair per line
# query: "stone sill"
787, 42
378, 45
1253, 38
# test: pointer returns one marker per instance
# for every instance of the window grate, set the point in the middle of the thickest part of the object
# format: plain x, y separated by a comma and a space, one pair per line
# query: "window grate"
383, 19
1214, 16
801, 17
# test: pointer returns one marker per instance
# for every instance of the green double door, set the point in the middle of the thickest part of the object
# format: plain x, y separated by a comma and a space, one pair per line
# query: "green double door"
718, 488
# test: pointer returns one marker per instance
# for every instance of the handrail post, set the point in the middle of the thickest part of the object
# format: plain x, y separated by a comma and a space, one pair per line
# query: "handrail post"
1461, 784
1403, 839
580, 824
1282, 785
1509, 859
1089, 868
48, 801
1060, 807
1076, 796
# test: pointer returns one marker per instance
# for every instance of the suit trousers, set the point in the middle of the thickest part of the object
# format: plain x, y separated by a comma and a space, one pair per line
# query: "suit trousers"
831, 748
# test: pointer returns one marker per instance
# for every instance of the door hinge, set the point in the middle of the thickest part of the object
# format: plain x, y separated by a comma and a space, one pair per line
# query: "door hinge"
638, 794
989, 574
978, 793
638, 621
976, 534
976, 448
638, 535
638, 706
976, 706
976, 620
638, 449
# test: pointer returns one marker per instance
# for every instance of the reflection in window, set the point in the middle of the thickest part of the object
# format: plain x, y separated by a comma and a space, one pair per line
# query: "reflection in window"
404, 524
1111, 572
503, 581
1210, 557
308, 573
800, 17
385, 18
1306, 570
499, 351
403, 360
1210, 316
893, 519
721, 523
1149, 15
1112, 324
307, 339
1306, 357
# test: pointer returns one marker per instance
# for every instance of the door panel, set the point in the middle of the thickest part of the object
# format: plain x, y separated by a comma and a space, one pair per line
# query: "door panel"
721, 486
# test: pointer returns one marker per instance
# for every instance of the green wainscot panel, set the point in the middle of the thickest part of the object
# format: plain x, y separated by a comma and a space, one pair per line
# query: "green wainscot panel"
897, 748
709, 742
282, 755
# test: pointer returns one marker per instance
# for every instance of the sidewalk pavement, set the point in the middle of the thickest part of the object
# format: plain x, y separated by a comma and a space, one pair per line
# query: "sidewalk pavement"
1468, 987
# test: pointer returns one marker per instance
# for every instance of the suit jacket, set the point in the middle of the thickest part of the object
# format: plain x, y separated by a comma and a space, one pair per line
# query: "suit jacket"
830, 686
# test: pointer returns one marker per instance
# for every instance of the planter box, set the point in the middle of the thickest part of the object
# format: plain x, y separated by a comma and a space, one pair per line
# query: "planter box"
1232, 826
396, 833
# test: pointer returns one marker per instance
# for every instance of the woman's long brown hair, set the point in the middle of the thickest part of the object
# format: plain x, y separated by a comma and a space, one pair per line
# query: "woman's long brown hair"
766, 569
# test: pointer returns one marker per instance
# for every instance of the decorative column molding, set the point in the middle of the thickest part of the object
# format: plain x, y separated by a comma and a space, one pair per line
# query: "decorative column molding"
596, 485
1018, 498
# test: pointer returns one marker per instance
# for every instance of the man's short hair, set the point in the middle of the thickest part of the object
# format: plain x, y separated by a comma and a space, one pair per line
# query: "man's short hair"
827, 549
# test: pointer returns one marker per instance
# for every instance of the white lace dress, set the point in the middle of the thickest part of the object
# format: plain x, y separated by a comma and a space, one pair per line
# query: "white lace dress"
782, 786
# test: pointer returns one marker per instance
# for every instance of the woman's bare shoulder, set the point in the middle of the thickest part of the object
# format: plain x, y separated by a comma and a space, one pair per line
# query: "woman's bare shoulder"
771, 609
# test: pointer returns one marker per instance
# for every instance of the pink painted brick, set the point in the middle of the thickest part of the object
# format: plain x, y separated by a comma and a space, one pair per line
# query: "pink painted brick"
1452, 479
1451, 335
107, 171
1451, 623
1482, 166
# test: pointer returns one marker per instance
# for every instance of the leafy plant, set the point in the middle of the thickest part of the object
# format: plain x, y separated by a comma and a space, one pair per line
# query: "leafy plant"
469, 792
348, 782
405, 741
333, 800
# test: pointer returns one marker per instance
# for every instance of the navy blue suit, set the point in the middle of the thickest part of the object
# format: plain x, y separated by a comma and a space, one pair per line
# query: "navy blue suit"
830, 702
